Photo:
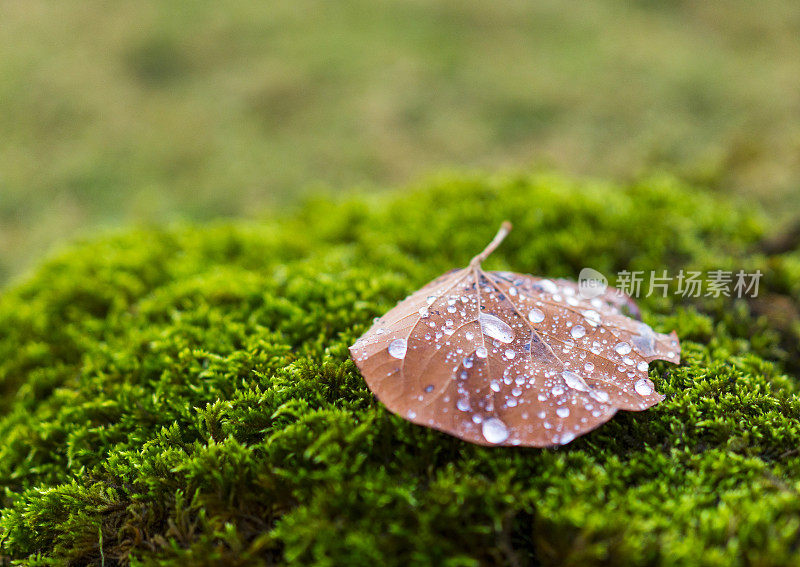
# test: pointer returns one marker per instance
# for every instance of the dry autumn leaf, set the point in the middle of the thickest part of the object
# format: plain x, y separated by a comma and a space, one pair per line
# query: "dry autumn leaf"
499, 358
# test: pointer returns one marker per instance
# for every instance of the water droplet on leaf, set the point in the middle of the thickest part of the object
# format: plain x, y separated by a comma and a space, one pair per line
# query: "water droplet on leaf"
622, 348
536, 315
496, 328
494, 430
397, 348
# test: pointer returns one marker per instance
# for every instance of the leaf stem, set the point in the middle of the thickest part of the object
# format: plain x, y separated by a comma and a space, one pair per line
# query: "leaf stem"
505, 228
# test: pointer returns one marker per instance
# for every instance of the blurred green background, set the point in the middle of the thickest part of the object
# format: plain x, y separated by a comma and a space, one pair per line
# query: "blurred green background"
117, 113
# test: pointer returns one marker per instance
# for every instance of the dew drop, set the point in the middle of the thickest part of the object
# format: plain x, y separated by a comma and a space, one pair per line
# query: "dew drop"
588, 367
547, 285
496, 328
578, 331
592, 316
495, 386
566, 437
574, 381
642, 366
622, 348
423, 312
429, 388
463, 405
562, 412
398, 347
643, 387
536, 315
599, 395
494, 430
469, 335
481, 352
510, 354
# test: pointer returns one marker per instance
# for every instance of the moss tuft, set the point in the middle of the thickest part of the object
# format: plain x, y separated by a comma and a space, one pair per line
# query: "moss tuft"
185, 396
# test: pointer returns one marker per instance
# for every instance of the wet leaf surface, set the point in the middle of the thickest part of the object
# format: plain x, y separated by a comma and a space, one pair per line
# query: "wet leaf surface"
500, 358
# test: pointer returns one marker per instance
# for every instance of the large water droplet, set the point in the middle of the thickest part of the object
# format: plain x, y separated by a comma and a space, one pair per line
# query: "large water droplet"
592, 316
496, 328
398, 347
622, 348
578, 331
566, 437
574, 381
536, 315
562, 412
547, 285
643, 387
599, 395
510, 354
494, 430
481, 352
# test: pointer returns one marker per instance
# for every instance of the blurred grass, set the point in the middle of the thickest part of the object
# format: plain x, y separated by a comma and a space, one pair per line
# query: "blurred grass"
146, 112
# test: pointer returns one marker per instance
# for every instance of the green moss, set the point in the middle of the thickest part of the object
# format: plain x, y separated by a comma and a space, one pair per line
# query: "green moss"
185, 396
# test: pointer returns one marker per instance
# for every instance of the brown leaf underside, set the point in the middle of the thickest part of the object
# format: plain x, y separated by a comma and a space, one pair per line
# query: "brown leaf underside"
499, 358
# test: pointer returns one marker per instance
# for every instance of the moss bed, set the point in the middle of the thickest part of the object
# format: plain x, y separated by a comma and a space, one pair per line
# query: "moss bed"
184, 396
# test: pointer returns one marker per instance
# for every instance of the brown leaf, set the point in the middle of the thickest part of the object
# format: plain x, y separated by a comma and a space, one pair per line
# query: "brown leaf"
499, 358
